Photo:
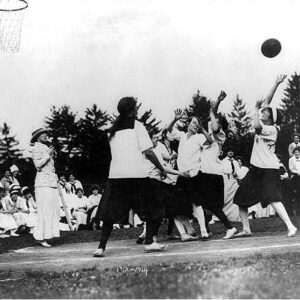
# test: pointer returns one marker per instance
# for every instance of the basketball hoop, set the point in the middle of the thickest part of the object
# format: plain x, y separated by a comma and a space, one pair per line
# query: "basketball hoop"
11, 19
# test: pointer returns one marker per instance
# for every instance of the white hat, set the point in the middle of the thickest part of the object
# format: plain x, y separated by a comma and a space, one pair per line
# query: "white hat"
37, 133
14, 168
14, 189
24, 189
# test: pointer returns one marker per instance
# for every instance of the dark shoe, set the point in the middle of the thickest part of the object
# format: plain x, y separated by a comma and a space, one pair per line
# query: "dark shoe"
140, 240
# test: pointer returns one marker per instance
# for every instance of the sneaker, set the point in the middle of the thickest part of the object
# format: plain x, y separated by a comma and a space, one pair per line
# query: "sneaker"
292, 232
44, 244
98, 253
187, 238
192, 233
3, 235
205, 237
172, 237
230, 233
243, 233
14, 234
140, 240
154, 247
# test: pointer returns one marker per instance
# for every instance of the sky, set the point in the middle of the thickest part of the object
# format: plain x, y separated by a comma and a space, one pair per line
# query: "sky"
80, 52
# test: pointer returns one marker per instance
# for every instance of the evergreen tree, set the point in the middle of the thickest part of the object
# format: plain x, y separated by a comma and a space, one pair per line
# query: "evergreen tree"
290, 109
241, 121
64, 131
94, 146
200, 107
9, 150
241, 137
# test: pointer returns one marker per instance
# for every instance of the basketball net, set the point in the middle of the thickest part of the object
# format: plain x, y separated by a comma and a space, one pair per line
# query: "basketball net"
11, 20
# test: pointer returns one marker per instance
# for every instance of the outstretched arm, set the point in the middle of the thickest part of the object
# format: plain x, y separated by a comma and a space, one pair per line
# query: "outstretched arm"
256, 120
270, 95
178, 115
150, 155
215, 126
221, 97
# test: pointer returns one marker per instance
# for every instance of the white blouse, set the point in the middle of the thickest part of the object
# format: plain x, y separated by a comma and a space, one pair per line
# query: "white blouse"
127, 147
263, 152
189, 151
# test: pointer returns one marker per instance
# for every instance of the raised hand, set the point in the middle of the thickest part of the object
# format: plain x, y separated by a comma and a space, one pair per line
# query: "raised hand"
259, 103
222, 96
280, 78
178, 114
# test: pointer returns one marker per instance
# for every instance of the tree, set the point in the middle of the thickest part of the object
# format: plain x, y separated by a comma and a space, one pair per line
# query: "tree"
93, 144
64, 131
242, 136
290, 109
200, 107
240, 118
9, 150
150, 122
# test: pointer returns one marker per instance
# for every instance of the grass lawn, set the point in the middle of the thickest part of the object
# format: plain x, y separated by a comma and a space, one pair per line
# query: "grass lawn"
218, 230
257, 276
274, 276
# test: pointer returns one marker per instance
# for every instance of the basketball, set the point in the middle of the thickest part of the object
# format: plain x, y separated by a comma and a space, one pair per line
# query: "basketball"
271, 48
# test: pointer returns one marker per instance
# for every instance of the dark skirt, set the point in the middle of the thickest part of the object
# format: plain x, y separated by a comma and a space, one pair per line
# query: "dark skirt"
205, 190
182, 203
259, 185
295, 183
210, 188
121, 195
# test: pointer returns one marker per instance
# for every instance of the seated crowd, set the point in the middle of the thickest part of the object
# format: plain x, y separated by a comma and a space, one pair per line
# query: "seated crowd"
18, 209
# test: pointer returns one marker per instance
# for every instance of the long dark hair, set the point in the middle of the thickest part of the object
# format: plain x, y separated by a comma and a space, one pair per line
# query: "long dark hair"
126, 107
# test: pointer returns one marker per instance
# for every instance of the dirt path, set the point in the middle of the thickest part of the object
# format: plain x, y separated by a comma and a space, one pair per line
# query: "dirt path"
124, 253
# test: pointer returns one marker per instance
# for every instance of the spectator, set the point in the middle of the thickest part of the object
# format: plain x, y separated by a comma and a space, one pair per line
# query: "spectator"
74, 183
230, 168
15, 174
65, 186
6, 182
285, 187
242, 170
294, 144
31, 208
8, 224
294, 166
93, 202
80, 210
16, 206
46, 192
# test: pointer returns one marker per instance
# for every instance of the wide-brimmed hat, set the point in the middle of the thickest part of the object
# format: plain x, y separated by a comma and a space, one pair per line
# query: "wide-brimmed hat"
25, 190
14, 189
37, 133
14, 168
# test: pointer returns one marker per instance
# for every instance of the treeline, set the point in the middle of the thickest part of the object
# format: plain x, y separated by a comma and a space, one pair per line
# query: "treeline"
82, 146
